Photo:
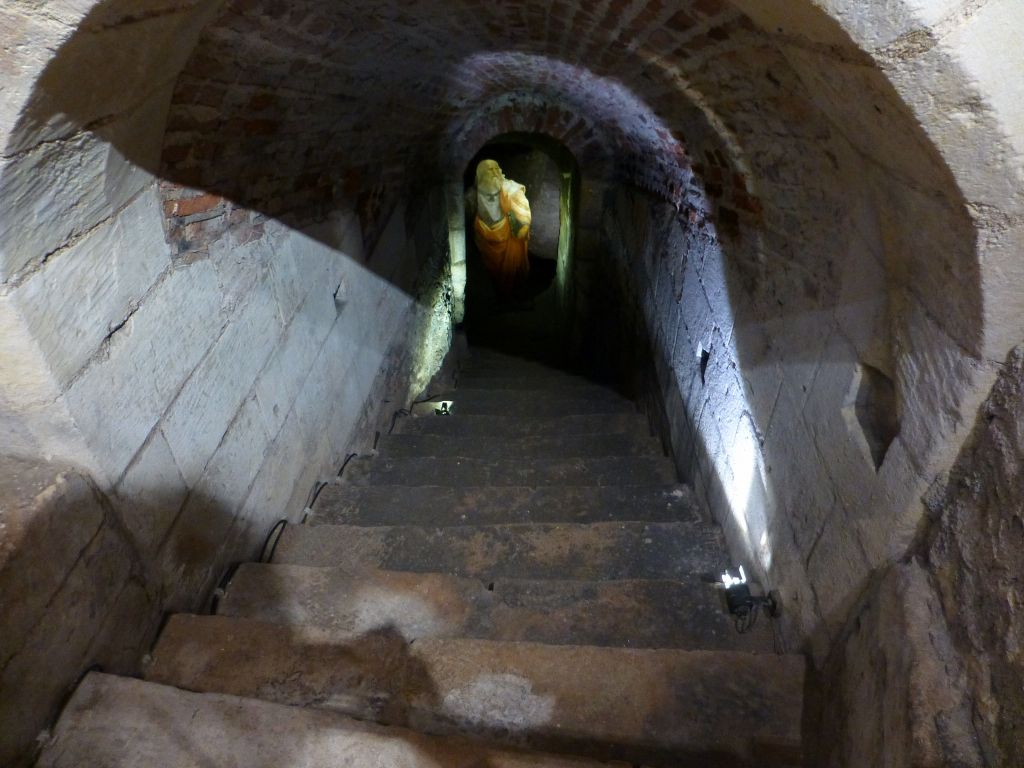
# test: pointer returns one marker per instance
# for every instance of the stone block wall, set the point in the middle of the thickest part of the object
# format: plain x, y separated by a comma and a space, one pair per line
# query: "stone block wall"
928, 669
73, 594
791, 365
233, 375
177, 368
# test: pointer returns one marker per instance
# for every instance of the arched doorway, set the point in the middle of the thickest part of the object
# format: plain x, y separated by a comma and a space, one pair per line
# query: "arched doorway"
535, 320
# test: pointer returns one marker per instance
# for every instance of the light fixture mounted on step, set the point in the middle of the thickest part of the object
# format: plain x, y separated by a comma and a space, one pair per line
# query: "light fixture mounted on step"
431, 406
743, 604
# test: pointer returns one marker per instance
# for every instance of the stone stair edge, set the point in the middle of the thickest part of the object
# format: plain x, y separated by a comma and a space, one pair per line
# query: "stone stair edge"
497, 471
338, 483
357, 573
616, 432
598, 550
327, 528
525, 646
447, 686
683, 613
501, 425
114, 694
492, 585
447, 504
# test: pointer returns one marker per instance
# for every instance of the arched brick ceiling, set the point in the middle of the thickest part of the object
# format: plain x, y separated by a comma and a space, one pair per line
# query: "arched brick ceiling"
323, 94
292, 108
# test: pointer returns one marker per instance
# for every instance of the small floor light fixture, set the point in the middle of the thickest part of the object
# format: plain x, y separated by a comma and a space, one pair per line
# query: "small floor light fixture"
743, 604
431, 407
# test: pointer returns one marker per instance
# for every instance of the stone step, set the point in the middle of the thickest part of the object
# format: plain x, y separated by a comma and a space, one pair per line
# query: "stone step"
522, 368
483, 505
518, 402
630, 614
467, 392
533, 447
475, 353
116, 722
458, 471
565, 551
484, 354
658, 707
556, 381
513, 425
487, 361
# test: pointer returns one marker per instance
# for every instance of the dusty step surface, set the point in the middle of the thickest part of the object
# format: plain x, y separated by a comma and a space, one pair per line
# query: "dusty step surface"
509, 365
523, 403
531, 447
594, 551
460, 471
482, 505
115, 722
519, 425
486, 359
554, 381
656, 706
635, 613
466, 392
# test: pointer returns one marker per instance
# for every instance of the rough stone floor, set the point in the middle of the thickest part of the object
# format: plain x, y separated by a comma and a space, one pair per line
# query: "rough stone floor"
518, 583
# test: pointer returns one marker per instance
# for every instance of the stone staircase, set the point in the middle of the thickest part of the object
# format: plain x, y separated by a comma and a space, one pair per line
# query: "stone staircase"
519, 583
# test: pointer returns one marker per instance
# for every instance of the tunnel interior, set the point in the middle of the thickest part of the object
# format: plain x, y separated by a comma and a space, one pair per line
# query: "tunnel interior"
225, 266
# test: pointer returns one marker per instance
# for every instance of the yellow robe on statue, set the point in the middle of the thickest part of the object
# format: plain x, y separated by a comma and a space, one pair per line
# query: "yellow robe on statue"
504, 251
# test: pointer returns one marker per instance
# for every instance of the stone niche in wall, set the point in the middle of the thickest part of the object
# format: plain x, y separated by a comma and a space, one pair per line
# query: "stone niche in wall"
871, 411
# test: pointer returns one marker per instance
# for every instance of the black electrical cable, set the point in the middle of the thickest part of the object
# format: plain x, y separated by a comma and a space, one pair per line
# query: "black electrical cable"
265, 557
222, 587
314, 494
345, 462
746, 621
394, 418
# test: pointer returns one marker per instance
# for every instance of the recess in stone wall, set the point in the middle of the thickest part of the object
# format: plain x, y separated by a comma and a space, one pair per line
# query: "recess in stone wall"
872, 410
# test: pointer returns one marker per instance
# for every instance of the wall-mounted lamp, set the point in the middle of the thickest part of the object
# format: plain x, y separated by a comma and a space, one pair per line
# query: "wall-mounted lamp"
743, 604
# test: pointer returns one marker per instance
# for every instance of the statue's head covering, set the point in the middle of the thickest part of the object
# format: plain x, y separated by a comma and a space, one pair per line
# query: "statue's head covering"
489, 177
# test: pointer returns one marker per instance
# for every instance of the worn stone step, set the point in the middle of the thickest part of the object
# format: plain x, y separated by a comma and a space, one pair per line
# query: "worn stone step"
518, 425
555, 380
487, 360
458, 471
466, 392
479, 355
659, 707
595, 551
514, 370
518, 402
482, 505
483, 352
116, 722
634, 614
533, 447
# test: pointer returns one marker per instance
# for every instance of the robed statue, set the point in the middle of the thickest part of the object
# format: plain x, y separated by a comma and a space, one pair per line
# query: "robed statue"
501, 226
